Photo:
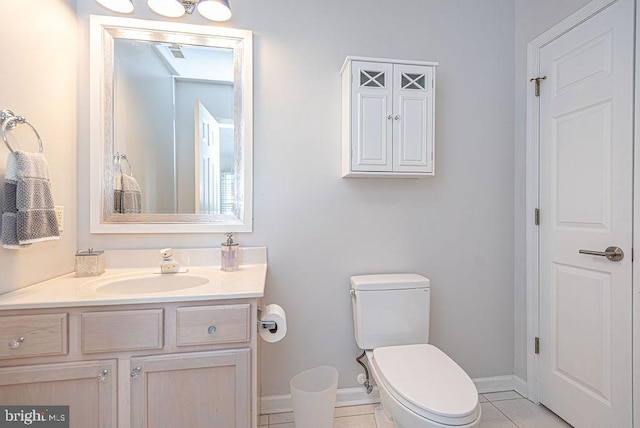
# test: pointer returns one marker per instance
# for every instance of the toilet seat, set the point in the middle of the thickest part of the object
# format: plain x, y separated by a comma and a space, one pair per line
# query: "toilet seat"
427, 382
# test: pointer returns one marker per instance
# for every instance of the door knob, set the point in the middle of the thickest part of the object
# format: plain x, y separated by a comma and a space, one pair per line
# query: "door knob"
615, 254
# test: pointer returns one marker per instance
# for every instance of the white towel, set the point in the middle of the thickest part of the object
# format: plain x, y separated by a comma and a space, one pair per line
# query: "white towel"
28, 211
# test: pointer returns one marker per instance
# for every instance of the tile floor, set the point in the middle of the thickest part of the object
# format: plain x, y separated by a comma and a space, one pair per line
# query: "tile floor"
499, 410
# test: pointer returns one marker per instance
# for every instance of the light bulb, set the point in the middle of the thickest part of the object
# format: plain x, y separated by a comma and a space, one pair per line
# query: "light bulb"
215, 10
168, 8
120, 6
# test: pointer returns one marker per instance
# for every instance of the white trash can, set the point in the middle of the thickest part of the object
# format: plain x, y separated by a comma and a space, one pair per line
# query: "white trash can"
314, 397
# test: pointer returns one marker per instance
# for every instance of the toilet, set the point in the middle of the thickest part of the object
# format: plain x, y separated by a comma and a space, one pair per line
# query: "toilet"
420, 386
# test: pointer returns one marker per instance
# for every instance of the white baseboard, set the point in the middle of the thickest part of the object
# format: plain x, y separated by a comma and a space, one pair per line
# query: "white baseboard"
356, 396
344, 397
494, 383
520, 386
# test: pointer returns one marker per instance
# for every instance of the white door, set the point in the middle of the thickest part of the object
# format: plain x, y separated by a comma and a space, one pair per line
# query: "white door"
207, 161
586, 151
413, 118
371, 110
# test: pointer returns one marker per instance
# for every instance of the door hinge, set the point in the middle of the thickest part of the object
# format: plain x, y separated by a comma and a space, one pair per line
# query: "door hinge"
536, 345
537, 83
536, 217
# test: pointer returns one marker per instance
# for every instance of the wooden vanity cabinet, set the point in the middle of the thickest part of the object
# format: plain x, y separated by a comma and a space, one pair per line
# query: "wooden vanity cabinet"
87, 387
131, 366
197, 389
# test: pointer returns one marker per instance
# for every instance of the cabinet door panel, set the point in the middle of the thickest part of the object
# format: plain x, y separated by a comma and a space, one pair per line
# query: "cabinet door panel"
371, 106
92, 402
413, 125
203, 389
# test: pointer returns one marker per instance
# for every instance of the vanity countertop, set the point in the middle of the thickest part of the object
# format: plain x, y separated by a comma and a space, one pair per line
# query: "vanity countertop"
69, 291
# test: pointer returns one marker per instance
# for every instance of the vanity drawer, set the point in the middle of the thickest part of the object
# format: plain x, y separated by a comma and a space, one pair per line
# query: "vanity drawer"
122, 330
33, 335
202, 325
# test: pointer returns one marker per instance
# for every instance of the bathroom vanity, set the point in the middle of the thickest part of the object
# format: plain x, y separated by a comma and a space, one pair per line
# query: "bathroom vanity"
182, 357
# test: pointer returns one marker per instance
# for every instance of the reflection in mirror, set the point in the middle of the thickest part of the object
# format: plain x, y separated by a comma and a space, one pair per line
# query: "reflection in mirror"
171, 127
173, 117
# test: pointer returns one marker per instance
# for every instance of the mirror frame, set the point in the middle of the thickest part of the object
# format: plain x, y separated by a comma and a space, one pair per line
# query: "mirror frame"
103, 31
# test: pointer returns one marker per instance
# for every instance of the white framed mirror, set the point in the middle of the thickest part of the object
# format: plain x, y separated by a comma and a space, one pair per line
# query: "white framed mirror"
171, 127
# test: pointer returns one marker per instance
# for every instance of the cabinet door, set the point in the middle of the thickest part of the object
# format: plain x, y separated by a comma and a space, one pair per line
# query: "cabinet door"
88, 388
196, 390
413, 118
371, 120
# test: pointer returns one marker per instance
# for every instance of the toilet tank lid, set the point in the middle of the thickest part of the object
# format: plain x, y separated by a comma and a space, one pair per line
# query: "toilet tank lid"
389, 281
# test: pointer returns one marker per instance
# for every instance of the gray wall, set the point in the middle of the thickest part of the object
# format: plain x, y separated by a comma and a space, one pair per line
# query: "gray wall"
144, 122
532, 18
456, 228
39, 81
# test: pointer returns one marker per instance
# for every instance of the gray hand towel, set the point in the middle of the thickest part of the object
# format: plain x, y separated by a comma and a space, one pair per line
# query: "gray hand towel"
128, 197
28, 215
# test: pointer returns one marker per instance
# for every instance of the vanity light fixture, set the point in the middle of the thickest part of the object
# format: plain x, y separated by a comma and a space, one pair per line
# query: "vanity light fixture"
170, 8
120, 6
214, 10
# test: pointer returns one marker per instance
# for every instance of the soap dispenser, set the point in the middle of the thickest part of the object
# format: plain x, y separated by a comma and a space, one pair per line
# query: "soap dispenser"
229, 254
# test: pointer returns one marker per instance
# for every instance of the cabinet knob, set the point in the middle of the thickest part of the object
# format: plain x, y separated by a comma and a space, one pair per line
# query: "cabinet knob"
390, 117
102, 375
396, 117
16, 342
136, 372
211, 329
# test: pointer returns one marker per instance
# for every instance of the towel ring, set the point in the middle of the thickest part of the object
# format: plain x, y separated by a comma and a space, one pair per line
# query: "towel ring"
10, 121
119, 158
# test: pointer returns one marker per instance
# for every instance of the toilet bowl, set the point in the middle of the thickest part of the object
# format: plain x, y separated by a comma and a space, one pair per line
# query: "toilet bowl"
420, 386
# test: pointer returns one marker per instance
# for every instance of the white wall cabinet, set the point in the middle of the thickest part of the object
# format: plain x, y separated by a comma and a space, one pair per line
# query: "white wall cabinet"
388, 117
133, 366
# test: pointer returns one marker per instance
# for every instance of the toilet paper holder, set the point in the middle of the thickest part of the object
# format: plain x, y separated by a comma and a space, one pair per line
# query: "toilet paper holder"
272, 326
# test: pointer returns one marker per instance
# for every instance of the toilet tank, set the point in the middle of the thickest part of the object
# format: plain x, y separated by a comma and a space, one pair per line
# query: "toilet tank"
390, 309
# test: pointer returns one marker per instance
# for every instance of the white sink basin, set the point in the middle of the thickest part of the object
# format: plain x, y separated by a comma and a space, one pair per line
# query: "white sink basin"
151, 283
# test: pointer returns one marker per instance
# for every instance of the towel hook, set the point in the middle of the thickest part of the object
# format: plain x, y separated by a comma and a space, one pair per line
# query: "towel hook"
10, 121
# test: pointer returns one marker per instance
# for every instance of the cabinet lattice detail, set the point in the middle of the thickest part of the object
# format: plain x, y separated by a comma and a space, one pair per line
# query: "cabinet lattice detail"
373, 79
413, 81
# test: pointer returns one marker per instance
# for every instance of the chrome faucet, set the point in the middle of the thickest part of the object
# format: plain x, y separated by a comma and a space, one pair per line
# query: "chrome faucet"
168, 263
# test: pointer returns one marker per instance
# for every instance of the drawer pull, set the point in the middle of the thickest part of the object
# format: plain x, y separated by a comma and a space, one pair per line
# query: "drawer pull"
136, 372
211, 329
102, 375
15, 343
